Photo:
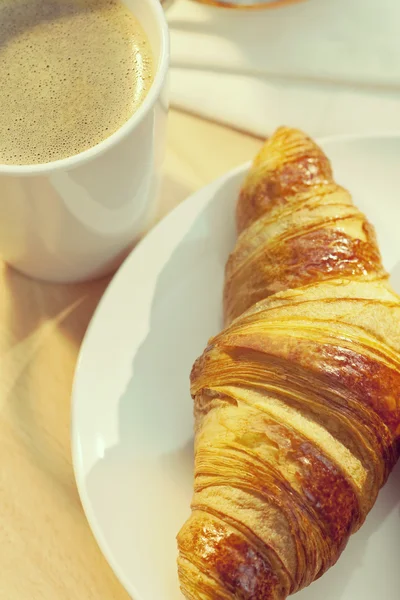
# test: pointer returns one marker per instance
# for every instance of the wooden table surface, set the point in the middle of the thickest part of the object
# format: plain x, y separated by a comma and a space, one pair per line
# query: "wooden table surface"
47, 551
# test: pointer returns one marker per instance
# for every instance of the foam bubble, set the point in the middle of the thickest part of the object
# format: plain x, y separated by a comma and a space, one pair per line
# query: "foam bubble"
72, 77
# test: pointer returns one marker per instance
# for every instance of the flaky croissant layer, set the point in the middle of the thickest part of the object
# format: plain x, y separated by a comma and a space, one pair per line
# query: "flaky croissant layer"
297, 400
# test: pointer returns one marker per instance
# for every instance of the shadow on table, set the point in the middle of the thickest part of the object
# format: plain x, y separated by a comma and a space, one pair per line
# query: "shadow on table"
31, 303
173, 193
45, 326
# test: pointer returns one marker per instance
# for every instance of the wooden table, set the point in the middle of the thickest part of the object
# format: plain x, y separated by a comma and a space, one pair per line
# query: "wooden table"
47, 551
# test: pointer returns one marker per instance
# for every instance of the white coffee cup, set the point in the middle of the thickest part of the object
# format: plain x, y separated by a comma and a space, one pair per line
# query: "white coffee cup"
77, 218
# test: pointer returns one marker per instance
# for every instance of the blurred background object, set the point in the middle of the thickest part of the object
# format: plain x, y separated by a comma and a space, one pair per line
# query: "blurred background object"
326, 66
239, 4
247, 4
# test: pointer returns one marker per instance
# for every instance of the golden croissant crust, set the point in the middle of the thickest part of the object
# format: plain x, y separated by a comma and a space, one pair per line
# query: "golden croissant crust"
297, 400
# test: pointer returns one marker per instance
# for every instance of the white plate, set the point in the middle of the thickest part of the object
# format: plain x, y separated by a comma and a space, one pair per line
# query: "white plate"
132, 411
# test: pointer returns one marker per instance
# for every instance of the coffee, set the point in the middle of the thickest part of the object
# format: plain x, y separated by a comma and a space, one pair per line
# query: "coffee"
71, 71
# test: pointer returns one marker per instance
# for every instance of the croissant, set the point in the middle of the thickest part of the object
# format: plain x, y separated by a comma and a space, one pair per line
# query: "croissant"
297, 400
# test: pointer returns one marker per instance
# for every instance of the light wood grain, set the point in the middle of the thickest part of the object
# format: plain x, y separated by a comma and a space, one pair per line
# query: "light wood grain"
47, 551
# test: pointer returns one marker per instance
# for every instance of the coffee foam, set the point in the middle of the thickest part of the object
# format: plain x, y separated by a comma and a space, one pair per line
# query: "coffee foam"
73, 72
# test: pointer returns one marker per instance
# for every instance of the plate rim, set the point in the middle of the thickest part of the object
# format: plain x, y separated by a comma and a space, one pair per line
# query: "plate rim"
190, 200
